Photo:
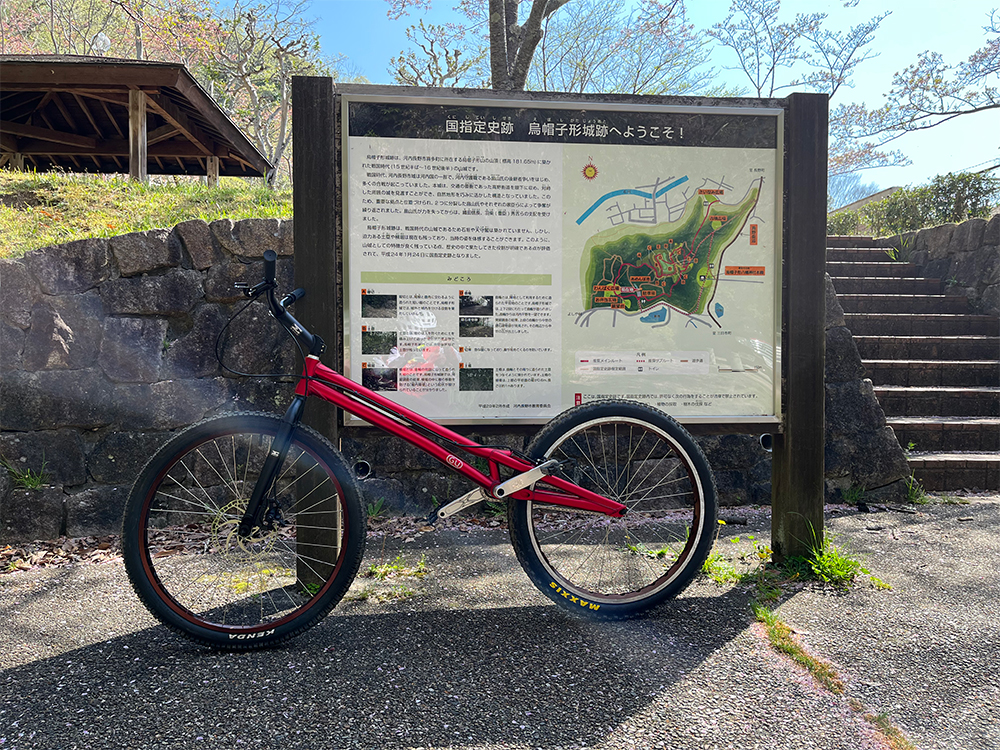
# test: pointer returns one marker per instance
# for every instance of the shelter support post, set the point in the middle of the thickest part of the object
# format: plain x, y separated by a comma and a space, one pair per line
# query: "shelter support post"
212, 171
316, 263
138, 145
797, 472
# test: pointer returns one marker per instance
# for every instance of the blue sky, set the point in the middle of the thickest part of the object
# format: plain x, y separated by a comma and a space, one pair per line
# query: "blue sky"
360, 30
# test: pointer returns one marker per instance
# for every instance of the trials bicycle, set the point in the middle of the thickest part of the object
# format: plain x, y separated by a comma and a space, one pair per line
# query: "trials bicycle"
246, 529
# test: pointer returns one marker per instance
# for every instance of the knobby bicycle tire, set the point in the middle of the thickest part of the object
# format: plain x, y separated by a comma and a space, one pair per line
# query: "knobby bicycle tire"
199, 577
614, 568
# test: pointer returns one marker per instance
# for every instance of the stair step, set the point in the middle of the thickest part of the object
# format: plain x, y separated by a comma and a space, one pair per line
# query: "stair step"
870, 268
947, 433
902, 401
903, 303
956, 471
928, 347
885, 285
933, 372
856, 255
850, 240
922, 324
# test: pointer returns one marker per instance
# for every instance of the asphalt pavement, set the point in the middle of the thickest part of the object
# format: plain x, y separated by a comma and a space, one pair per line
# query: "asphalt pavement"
471, 656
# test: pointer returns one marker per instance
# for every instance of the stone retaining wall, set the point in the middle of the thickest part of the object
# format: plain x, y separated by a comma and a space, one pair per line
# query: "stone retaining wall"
107, 346
965, 256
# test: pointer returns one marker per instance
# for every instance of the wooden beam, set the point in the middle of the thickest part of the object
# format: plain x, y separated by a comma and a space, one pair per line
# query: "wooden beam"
8, 142
169, 111
88, 114
797, 468
113, 119
57, 100
46, 134
51, 75
137, 145
162, 133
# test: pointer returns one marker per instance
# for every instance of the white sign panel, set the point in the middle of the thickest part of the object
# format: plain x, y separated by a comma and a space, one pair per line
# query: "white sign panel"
506, 261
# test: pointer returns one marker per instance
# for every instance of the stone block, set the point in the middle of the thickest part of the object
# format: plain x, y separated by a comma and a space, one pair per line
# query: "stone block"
878, 459
132, 348
834, 310
989, 300
73, 267
196, 237
172, 293
935, 240
938, 268
988, 265
256, 236
11, 347
30, 515
119, 456
141, 252
991, 235
851, 407
96, 511
18, 292
192, 355
65, 332
731, 488
220, 285
838, 457
222, 231
964, 269
895, 492
286, 237
843, 362
391, 492
58, 454
54, 399
967, 237
732, 451
179, 403
256, 343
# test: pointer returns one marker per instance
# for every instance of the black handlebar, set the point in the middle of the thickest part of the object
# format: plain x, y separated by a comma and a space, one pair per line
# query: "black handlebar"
312, 343
270, 259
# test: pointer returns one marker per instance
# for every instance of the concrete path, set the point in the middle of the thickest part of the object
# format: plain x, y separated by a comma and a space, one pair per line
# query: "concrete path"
475, 658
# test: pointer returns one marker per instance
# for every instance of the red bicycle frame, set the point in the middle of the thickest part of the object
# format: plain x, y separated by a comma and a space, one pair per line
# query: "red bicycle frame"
319, 380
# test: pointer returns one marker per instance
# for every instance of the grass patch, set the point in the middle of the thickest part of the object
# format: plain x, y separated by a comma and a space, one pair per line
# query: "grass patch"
25, 478
50, 208
780, 636
893, 736
396, 568
915, 493
374, 595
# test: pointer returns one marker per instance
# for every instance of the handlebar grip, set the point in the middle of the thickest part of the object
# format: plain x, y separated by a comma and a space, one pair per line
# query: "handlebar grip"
270, 259
292, 297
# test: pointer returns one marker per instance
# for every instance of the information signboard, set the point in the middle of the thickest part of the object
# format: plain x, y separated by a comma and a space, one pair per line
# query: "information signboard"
506, 260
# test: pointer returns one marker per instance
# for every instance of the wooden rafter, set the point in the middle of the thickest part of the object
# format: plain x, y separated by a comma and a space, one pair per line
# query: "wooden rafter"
172, 114
88, 114
47, 134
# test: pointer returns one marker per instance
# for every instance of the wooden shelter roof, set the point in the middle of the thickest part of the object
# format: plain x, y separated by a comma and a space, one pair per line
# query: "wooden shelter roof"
71, 113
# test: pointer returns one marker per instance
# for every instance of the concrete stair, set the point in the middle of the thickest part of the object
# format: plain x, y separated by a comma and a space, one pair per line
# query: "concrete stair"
935, 364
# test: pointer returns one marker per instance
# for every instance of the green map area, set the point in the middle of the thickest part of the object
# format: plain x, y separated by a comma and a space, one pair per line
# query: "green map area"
677, 263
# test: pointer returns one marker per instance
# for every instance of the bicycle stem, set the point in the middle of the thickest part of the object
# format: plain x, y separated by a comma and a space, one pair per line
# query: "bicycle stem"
275, 458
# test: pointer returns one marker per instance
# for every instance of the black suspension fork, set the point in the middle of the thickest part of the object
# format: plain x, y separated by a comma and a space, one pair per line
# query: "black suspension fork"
275, 458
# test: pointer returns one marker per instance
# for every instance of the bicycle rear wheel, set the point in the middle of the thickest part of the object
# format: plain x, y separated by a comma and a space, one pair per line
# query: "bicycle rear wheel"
607, 567
199, 577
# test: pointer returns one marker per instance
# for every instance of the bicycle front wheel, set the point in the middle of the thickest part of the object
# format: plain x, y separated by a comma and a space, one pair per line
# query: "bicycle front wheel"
199, 576
607, 567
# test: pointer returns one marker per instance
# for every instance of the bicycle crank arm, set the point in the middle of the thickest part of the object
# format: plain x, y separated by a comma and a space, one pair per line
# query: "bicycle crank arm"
526, 479
467, 500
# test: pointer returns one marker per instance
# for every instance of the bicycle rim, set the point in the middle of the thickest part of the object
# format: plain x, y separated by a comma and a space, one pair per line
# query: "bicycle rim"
648, 554
208, 577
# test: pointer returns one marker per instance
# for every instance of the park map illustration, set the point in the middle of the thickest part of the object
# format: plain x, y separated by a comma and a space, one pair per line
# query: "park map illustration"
663, 253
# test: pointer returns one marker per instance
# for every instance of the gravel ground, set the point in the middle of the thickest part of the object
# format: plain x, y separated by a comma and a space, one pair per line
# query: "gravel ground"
476, 658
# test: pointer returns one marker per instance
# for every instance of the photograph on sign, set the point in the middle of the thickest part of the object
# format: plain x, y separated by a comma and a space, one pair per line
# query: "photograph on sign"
505, 261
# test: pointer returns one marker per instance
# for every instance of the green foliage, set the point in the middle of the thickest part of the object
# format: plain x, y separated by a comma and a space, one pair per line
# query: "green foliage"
25, 478
375, 509
915, 492
947, 198
37, 210
842, 223
398, 567
853, 495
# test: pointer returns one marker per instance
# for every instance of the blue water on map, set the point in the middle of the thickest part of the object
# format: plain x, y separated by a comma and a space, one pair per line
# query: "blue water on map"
657, 316
719, 310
